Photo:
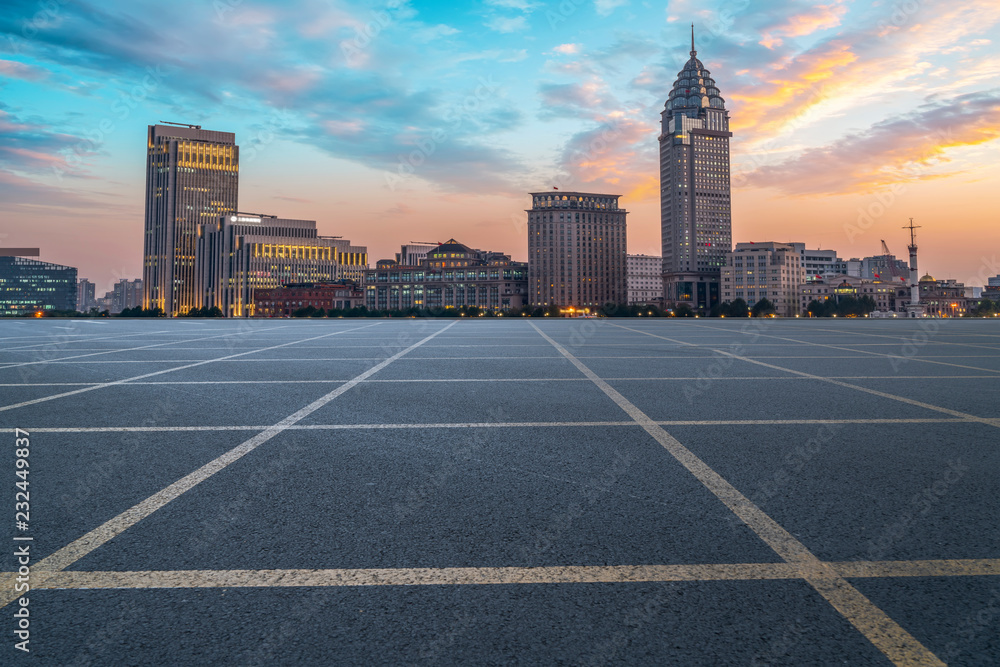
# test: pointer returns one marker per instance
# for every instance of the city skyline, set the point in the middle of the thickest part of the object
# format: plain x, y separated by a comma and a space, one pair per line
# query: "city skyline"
828, 104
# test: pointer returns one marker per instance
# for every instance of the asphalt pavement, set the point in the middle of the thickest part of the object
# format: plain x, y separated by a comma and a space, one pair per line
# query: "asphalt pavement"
502, 491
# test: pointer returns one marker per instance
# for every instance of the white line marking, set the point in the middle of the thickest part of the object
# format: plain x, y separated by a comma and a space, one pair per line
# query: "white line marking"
155, 373
881, 630
82, 546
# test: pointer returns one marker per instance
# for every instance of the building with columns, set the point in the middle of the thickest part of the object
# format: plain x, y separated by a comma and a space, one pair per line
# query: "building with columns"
695, 202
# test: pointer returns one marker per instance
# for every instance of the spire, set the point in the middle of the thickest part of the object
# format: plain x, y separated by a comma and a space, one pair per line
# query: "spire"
693, 52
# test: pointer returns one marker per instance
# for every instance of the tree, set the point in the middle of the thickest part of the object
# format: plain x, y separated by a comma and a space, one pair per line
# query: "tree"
738, 308
683, 310
762, 307
818, 308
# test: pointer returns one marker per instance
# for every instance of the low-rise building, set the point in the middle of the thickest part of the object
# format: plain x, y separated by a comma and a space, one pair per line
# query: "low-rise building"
28, 285
885, 294
239, 254
940, 298
285, 300
644, 276
819, 264
452, 275
768, 270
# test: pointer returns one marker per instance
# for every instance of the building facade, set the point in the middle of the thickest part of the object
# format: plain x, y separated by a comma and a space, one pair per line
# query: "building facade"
126, 294
887, 296
28, 285
238, 254
192, 178
821, 264
644, 276
411, 254
885, 267
86, 295
452, 275
695, 201
285, 300
576, 249
772, 271
940, 298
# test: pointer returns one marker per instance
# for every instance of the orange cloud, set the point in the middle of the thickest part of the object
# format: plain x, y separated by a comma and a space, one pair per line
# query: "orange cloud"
804, 83
910, 148
820, 17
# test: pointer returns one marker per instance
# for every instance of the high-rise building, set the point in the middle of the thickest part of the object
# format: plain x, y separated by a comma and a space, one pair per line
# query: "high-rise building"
770, 270
192, 178
695, 204
126, 294
86, 295
885, 267
576, 249
238, 254
644, 276
28, 285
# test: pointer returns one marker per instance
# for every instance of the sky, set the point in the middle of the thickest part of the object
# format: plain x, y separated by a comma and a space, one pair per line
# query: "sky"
399, 121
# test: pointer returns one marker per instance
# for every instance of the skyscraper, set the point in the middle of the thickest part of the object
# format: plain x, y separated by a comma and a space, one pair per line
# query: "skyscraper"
695, 209
192, 178
576, 249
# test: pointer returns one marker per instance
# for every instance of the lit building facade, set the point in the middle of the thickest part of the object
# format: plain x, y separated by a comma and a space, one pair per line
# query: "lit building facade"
644, 277
192, 178
576, 249
28, 285
939, 298
285, 300
885, 295
239, 254
695, 201
452, 275
772, 271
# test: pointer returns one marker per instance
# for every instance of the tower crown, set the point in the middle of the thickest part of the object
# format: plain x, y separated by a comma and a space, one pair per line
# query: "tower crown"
694, 88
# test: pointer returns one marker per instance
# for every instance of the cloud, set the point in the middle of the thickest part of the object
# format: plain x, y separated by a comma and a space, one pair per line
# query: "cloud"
575, 100
567, 49
522, 5
504, 24
615, 152
297, 200
910, 148
819, 17
18, 70
32, 147
605, 7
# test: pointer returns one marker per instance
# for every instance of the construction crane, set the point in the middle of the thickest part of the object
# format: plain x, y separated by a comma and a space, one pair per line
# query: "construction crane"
189, 125
893, 269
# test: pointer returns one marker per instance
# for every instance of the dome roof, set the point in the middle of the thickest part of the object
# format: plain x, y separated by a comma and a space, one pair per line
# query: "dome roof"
694, 88
927, 278
449, 246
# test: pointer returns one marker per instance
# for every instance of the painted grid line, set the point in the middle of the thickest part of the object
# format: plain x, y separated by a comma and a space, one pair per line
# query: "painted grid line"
883, 632
82, 546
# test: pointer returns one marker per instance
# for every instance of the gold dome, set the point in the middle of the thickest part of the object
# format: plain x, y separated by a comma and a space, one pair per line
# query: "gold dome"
927, 278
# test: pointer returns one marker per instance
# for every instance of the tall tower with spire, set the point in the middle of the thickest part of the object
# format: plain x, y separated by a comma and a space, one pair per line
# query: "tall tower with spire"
695, 207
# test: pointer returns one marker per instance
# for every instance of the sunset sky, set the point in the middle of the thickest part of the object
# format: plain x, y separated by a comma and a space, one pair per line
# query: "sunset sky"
390, 122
